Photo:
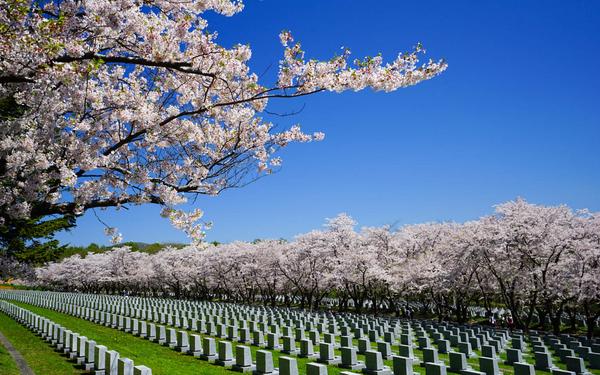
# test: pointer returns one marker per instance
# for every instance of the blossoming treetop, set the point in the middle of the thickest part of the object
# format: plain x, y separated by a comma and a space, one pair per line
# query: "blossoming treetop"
133, 102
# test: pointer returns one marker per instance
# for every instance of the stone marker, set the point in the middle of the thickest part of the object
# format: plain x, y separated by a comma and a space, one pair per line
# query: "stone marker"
288, 366
350, 360
124, 366
435, 369
209, 349
243, 359
100, 359
458, 362
513, 356
576, 365
523, 368
374, 364
264, 363
327, 354
316, 369
141, 370
403, 366
489, 366
225, 356
111, 362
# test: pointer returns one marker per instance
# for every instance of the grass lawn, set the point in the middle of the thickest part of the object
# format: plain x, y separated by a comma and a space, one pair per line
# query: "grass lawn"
7, 364
163, 360
40, 356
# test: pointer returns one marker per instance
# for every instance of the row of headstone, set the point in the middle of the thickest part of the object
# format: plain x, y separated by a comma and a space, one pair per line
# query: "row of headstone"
445, 336
220, 312
77, 348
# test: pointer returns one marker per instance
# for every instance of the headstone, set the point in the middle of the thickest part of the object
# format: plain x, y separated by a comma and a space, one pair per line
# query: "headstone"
90, 346
258, 339
195, 345
385, 349
430, 355
557, 371
594, 359
182, 342
316, 369
458, 362
289, 345
209, 349
225, 356
465, 348
374, 364
489, 366
543, 361
111, 362
488, 351
264, 363
435, 369
443, 346
576, 365
403, 366
142, 370
306, 349
100, 357
327, 354
523, 368
350, 359
513, 356
363, 345
125, 366
243, 359
288, 366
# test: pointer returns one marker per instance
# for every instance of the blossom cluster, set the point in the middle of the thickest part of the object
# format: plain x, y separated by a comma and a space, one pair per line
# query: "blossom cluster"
527, 257
128, 102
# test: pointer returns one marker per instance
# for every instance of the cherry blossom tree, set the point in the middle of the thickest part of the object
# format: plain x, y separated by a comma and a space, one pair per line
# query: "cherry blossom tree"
535, 261
123, 103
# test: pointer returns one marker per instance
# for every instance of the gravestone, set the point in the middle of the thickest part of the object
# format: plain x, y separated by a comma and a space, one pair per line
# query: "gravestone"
306, 349
209, 349
225, 356
124, 366
316, 369
435, 369
523, 368
327, 354
543, 361
576, 365
403, 366
243, 359
489, 366
374, 364
513, 356
458, 362
264, 363
350, 359
288, 366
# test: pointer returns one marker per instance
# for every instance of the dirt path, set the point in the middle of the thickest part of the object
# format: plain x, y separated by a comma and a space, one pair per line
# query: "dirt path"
19, 360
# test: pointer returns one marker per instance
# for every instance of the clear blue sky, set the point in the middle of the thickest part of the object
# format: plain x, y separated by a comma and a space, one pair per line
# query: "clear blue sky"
516, 114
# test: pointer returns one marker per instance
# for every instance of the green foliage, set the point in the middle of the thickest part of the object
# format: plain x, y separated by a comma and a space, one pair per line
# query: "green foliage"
9, 109
94, 248
32, 241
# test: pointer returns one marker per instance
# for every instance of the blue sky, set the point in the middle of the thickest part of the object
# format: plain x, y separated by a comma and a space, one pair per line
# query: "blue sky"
517, 113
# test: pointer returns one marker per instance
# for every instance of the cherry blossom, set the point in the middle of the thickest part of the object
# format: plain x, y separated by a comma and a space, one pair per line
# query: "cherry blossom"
128, 103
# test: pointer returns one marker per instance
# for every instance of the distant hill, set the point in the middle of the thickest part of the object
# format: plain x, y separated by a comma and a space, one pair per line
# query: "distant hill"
143, 247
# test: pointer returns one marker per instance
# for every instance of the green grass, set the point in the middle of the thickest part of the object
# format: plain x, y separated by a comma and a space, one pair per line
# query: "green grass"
160, 359
7, 364
163, 360
39, 355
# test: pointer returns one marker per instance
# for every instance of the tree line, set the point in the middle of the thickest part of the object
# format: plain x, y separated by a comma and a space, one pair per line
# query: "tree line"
541, 263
